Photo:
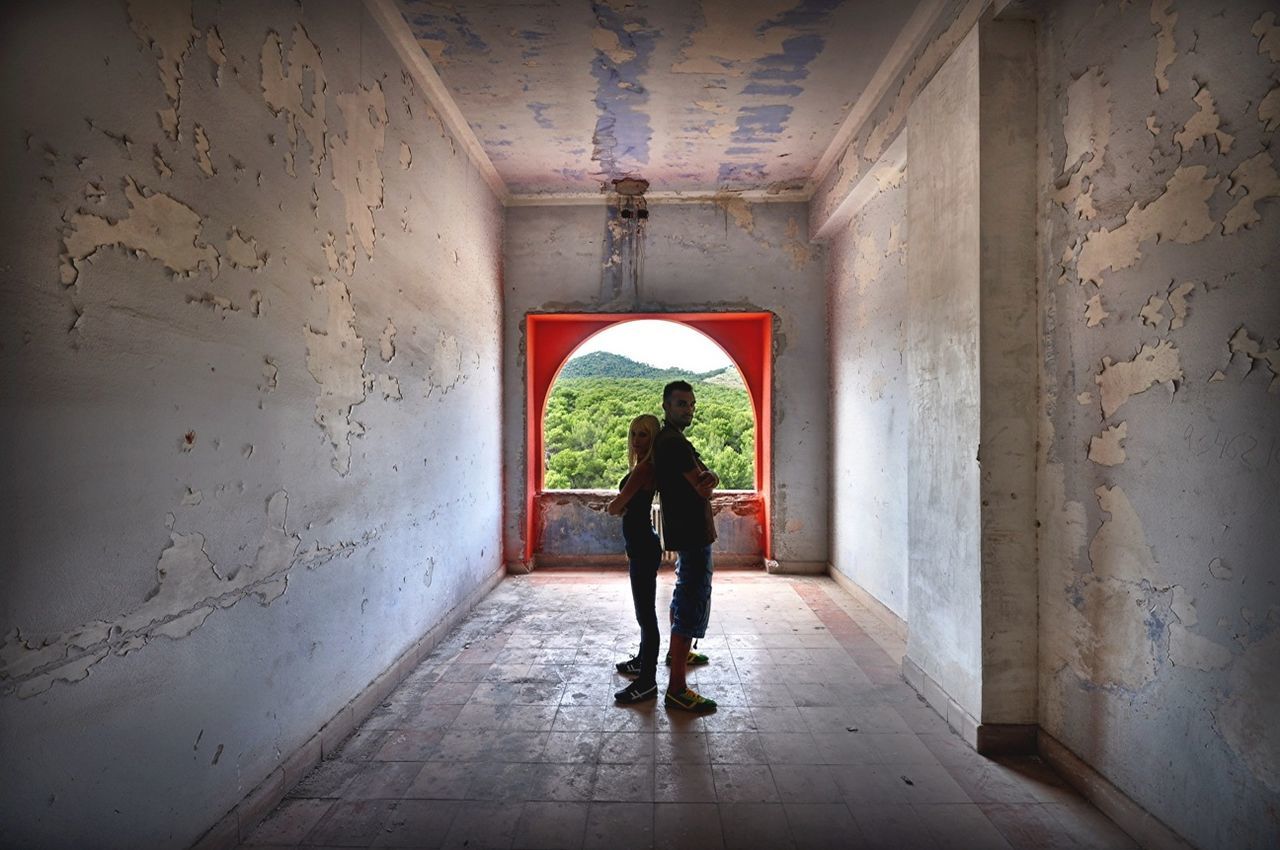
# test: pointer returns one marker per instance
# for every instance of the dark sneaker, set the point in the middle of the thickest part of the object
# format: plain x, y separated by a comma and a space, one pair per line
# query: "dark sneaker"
630, 667
690, 700
637, 692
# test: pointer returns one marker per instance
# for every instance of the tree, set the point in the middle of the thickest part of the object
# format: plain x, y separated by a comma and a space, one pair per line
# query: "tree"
587, 416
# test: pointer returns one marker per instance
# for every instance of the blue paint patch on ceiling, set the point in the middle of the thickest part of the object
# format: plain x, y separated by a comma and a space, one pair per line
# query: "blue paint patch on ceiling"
709, 95
539, 111
769, 89
808, 14
441, 23
761, 125
735, 172
622, 132
789, 66
532, 46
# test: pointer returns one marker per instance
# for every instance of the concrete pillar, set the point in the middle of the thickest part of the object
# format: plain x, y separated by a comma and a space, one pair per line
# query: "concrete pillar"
972, 368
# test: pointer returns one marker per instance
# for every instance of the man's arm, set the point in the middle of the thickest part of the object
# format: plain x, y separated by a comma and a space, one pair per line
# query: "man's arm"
702, 480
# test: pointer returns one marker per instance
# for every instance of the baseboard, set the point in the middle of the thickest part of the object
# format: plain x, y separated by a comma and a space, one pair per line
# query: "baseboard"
721, 560
796, 568
1007, 739
961, 722
897, 625
989, 739
236, 825
1144, 827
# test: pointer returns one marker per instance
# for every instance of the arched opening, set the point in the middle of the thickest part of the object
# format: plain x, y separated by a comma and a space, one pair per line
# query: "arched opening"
550, 338
618, 373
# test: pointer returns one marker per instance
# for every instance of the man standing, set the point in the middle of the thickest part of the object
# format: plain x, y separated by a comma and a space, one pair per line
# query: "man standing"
685, 485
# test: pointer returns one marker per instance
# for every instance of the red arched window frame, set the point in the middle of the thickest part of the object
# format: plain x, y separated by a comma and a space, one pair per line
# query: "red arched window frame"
551, 337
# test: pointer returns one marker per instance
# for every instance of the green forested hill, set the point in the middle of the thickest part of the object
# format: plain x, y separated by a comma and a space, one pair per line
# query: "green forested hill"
585, 431
605, 364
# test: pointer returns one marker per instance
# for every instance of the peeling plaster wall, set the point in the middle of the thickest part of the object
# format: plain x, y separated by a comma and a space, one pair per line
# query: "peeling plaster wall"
729, 256
1160, 435
867, 335
250, 361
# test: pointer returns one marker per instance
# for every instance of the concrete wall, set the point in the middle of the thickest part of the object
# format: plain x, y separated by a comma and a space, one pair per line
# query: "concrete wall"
943, 275
867, 335
1009, 382
971, 144
250, 345
1159, 608
696, 258
574, 528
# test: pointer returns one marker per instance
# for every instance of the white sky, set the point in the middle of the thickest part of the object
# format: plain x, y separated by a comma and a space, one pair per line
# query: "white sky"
658, 343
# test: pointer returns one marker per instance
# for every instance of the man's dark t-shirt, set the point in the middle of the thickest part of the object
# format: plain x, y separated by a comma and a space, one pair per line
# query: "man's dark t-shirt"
686, 516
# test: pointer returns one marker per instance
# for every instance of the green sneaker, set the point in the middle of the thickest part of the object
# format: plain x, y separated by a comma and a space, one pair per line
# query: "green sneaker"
696, 659
690, 700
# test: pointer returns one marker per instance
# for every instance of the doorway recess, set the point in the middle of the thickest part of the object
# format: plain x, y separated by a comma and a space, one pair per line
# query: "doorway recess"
551, 337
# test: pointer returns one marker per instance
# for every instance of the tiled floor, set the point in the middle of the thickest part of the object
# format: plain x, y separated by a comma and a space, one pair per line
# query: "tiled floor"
507, 736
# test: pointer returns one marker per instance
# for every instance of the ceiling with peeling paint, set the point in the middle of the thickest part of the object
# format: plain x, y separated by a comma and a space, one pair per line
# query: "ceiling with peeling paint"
696, 97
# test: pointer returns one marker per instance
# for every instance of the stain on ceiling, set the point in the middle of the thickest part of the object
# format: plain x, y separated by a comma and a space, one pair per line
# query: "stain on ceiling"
695, 97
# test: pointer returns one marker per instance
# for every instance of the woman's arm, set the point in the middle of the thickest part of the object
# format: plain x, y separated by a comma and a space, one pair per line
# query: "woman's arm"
641, 479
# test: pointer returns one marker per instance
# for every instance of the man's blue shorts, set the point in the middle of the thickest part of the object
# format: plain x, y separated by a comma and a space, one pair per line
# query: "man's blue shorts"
691, 602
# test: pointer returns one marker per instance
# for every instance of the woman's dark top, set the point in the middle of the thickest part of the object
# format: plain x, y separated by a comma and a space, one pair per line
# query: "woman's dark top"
637, 528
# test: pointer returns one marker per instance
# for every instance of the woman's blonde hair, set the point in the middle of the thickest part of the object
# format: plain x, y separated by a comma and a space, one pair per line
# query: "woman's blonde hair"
648, 423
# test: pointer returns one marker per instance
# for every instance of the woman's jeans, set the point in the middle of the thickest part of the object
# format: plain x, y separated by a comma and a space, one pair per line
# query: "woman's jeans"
644, 591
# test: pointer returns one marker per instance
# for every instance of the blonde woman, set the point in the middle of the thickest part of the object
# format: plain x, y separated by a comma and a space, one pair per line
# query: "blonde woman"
633, 504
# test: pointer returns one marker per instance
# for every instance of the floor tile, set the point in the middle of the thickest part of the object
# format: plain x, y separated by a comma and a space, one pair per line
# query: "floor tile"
530, 718
683, 783
571, 747
1089, 827
441, 780
790, 748
779, 719
744, 783
822, 826
627, 748
290, 822
482, 716
562, 782
806, 783
681, 748
1028, 825
463, 745
687, 825
366, 742
483, 824
893, 827
619, 826
418, 823
629, 783
409, 745
352, 824
927, 783
735, 748
551, 826
382, 781
961, 827
507, 736
449, 693
327, 779
753, 826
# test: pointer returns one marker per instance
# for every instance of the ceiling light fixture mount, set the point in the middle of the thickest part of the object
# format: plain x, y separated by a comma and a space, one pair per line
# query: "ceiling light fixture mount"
630, 191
